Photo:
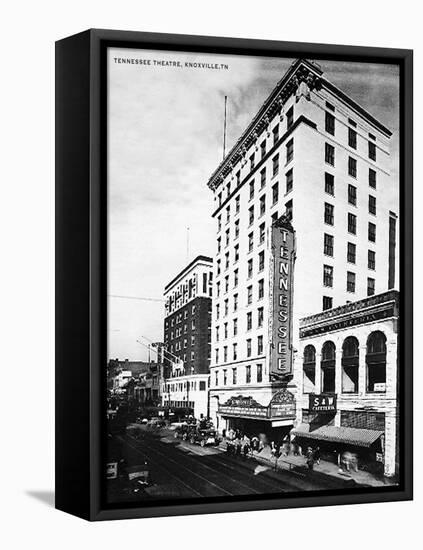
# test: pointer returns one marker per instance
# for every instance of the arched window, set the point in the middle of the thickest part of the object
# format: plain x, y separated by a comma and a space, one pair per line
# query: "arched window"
328, 367
328, 352
350, 361
376, 343
376, 362
309, 369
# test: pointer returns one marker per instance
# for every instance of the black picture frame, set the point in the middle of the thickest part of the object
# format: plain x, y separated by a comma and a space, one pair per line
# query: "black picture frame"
81, 256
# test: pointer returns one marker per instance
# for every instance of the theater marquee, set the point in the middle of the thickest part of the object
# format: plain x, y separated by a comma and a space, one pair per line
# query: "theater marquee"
282, 268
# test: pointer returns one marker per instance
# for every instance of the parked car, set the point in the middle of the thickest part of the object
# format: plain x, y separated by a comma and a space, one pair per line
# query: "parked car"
156, 422
204, 437
184, 431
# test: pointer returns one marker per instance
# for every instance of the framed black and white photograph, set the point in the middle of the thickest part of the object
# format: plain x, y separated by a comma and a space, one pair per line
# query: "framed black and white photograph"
234, 274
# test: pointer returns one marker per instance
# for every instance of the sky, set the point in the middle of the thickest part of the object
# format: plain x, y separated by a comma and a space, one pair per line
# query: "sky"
165, 139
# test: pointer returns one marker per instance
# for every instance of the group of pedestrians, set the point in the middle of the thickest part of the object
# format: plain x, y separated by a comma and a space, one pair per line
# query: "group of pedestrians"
239, 444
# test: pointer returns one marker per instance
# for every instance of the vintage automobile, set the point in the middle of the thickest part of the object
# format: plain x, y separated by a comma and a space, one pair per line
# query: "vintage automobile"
204, 437
184, 431
156, 422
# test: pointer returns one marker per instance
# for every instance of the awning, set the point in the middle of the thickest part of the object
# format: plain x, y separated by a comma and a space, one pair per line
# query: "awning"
352, 436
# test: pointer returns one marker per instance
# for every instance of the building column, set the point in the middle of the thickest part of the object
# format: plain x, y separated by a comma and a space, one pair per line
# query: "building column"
390, 443
338, 383
214, 416
362, 371
391, 368
318, 375
338, 371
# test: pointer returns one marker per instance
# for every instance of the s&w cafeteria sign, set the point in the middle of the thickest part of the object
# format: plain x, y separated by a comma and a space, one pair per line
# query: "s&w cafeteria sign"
322, 402
283, 256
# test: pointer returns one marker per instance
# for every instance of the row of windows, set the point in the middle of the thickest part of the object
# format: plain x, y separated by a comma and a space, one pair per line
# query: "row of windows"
260, 296
328, 246
352, 162
329, 159
260, 289
330, 185
375, 365
289, 178
190, 385
352, 193
329, 219
249, 316
178, 318
178, 344
179, 404
184, 357
178, 331
263, 151
352, 134
261, 230
249, 350
351, 280
261, 235
223, 375
236, 258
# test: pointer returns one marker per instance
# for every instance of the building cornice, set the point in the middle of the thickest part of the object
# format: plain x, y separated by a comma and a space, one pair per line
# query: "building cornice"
301, 78
378, 308
300, 71
198, 260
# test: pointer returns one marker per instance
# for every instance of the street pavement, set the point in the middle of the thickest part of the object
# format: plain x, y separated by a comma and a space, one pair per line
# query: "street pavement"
182, 470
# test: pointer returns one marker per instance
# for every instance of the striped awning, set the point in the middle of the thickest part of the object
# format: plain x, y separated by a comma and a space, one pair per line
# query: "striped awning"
338, 434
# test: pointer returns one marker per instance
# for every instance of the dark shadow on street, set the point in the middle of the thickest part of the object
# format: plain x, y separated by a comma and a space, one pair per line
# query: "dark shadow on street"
46, 497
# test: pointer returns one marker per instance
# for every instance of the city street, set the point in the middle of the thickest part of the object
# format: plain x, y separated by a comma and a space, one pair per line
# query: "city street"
179, 469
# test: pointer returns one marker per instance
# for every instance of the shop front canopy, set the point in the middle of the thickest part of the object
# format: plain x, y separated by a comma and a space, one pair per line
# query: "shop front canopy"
351, 436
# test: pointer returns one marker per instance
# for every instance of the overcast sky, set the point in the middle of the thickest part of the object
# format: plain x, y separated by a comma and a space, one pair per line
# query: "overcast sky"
165, 140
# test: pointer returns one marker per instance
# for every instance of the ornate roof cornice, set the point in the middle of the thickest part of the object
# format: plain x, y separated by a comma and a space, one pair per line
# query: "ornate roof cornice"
301, 78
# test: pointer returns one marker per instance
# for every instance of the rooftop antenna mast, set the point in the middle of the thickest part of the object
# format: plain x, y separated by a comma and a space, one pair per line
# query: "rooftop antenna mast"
187, 244
224, 128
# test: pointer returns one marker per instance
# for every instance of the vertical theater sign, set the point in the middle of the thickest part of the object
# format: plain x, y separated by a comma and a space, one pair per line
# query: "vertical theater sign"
281, 299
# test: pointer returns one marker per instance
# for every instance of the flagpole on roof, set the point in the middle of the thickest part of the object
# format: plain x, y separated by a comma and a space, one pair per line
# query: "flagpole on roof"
224, 128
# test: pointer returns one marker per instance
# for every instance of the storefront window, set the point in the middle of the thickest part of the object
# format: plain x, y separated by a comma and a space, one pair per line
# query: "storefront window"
309, 369
350, 359
376, 362
328, 367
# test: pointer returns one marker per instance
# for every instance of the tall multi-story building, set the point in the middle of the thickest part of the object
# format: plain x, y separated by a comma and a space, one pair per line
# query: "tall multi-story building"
305, 216
187, 341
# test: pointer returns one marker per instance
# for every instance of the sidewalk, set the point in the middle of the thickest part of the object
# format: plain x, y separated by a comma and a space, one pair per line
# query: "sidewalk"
297, 463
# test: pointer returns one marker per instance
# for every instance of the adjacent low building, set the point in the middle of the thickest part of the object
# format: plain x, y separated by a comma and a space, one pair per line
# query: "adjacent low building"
348, 398
119, 372
187, 392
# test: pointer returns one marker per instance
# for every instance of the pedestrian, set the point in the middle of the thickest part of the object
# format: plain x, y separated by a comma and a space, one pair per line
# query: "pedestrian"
274, 450
254, 443
246, 447
238, 446
309, 458
308, 454
316, 455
